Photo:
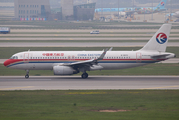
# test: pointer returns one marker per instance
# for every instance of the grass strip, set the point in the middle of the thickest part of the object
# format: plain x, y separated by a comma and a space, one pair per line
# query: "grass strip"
88, 41
110, 32
86, 104
151, 69
147, 37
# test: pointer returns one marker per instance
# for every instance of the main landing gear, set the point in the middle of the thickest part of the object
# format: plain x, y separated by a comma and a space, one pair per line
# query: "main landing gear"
84, 75
27, 74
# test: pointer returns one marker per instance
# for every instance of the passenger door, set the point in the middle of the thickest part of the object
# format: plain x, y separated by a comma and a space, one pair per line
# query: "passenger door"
26, 57
138, 57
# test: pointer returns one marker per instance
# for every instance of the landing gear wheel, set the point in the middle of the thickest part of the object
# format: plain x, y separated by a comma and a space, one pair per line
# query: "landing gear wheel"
84, 75
26, 76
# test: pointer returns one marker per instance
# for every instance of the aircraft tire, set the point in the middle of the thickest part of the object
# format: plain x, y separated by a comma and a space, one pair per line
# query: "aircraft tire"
84, 75
27, 76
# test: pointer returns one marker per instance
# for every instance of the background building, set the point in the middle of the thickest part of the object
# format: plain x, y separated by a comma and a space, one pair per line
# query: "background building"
67, 9
84, 11
32, 9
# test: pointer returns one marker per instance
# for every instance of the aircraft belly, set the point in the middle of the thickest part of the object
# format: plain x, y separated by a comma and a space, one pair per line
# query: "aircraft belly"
41, 66
49, 66
110, 66
33, 66
20, 67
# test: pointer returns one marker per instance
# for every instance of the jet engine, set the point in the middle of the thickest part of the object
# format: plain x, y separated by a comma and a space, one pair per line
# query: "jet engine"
63, 70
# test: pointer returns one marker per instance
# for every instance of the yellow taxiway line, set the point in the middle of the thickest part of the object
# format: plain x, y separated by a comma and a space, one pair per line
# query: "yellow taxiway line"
16, 88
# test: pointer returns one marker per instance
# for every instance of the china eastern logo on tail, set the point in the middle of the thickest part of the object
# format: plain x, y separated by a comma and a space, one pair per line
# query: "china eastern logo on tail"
161, 38
162, 3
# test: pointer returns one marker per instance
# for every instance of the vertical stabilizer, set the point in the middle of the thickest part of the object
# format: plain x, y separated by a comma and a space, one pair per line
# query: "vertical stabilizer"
162, 4
159, 41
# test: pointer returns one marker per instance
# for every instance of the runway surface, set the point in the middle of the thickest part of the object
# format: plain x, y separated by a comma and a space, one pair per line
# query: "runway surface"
85, 30
81, 35
93, 39
92, 83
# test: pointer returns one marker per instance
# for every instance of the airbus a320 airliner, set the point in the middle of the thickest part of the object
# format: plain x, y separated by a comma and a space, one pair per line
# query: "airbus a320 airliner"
73, 62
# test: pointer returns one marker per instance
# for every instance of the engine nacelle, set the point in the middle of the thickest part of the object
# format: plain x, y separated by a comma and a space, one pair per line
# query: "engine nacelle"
63, 70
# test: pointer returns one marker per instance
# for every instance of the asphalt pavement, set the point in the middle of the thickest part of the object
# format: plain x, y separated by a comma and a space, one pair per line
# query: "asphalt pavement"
92, 83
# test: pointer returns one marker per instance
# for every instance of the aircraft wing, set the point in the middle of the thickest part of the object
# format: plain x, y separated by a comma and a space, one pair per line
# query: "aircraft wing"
88, 62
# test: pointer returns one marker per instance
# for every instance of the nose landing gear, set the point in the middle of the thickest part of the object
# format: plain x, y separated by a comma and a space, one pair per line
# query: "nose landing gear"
84, 75
27, 74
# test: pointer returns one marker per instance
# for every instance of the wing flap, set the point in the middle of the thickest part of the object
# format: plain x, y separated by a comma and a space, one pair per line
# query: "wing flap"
88, 62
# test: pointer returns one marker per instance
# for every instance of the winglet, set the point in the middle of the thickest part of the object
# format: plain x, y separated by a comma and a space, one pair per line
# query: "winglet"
110, 49
103, 54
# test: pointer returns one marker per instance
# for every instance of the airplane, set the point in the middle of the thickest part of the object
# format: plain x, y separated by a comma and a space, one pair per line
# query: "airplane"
73, 62
139, 10
176, 14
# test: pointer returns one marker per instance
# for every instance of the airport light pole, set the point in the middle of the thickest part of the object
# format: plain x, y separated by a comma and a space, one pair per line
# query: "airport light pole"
133, 9
133, 5
118, 9
101, 8
170, 10
152, 9
144, 16
165, 15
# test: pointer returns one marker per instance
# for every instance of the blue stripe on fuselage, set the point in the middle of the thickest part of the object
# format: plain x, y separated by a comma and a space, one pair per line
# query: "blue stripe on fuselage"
134, 61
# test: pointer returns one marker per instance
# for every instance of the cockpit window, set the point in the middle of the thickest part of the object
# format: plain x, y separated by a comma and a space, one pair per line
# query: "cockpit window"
14, 57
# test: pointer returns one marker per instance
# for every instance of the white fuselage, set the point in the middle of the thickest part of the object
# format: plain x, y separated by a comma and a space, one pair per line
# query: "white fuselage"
45, 60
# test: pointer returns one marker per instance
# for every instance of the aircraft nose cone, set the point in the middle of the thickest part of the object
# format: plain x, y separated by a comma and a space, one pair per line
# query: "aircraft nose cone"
6, 63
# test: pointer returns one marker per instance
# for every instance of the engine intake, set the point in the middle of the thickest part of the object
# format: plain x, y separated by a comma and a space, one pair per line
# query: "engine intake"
63, 70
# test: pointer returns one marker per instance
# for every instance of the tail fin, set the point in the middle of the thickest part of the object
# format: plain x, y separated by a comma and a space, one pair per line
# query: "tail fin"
162, 4
159, 41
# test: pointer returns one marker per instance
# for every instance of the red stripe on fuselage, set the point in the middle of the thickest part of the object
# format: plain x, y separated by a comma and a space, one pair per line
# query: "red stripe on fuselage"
12, 61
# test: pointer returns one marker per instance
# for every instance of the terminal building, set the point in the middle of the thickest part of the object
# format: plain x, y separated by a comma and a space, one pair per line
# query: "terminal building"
32, 9
67, 9
84, 11
40, 10
77, 12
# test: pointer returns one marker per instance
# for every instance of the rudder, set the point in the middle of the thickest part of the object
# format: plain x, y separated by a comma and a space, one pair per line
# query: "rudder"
162, 4
159, 41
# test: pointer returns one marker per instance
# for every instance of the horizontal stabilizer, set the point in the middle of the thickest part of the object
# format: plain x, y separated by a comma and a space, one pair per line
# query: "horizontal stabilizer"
159, 56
